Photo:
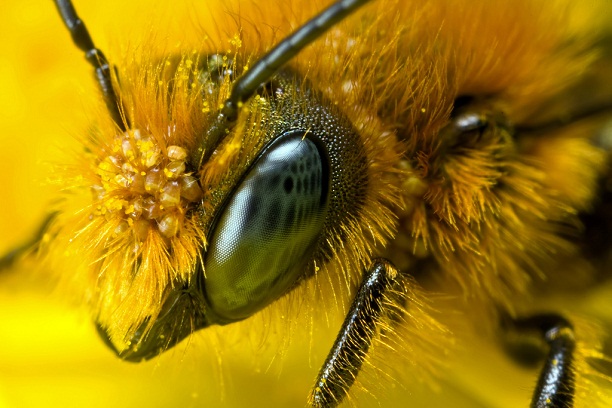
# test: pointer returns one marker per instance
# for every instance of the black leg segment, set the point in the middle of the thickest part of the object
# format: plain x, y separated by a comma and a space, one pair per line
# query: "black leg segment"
95, 57
10, 257
358, 330
556, 385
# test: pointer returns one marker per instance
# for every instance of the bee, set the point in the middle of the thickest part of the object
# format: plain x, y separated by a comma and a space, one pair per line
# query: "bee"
436, 174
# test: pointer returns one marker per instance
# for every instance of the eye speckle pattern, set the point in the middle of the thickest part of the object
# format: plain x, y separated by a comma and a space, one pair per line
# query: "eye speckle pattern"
269, 224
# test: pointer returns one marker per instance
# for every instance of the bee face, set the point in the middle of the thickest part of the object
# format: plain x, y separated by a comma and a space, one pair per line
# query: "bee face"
437, 168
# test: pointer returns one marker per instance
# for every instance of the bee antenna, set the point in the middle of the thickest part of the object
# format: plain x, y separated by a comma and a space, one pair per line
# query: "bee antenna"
267, 65
95, 57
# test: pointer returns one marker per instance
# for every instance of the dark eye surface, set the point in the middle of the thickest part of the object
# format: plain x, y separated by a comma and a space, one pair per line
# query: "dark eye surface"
268, 228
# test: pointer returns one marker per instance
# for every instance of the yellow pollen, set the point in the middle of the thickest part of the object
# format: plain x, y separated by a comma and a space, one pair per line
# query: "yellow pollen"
144, 186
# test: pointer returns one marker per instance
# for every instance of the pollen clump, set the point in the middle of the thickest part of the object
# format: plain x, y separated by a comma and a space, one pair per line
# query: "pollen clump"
143, 186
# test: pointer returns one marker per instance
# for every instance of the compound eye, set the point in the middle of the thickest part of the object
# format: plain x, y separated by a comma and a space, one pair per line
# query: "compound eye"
268, 229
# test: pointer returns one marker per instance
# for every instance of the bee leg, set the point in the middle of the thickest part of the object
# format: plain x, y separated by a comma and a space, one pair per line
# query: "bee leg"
10, 257
556, 385
95, 57
351, 346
